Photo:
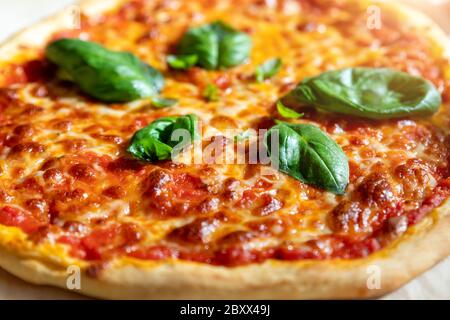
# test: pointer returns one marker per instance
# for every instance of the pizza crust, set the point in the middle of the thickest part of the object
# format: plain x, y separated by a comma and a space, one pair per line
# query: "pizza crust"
420, 248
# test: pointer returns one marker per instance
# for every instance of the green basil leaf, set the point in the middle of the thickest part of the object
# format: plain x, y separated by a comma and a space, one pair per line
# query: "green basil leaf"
216, 45
150, 143
159, 102
307, 154
182, 61
234, 46
375, 93
268, 69
211, 93
157, 140
189, 123
287, 112
107, 75
63, 76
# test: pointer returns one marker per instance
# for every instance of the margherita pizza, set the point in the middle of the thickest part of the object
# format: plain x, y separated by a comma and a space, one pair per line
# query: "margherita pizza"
226, 148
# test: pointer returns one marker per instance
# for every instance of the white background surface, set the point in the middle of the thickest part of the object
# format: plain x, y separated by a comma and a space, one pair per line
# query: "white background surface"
17, 14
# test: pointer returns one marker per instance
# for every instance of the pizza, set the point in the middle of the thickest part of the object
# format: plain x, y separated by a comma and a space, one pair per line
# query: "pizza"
322, 128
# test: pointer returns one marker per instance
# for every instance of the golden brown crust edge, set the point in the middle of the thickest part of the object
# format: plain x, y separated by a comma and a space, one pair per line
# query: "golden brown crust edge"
416, 251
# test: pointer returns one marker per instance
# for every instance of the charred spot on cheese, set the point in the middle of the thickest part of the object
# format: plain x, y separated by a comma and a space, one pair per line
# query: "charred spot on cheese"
200, 231
173, 194
416, 178
373, 202
377, 189
350, 216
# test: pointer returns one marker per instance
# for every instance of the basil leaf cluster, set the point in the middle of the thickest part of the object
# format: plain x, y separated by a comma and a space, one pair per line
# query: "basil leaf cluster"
106, 75
182, 61
157, 140
374, 93
160, 102
307, 154
287, 112
212, 46
211, 93
268, 69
